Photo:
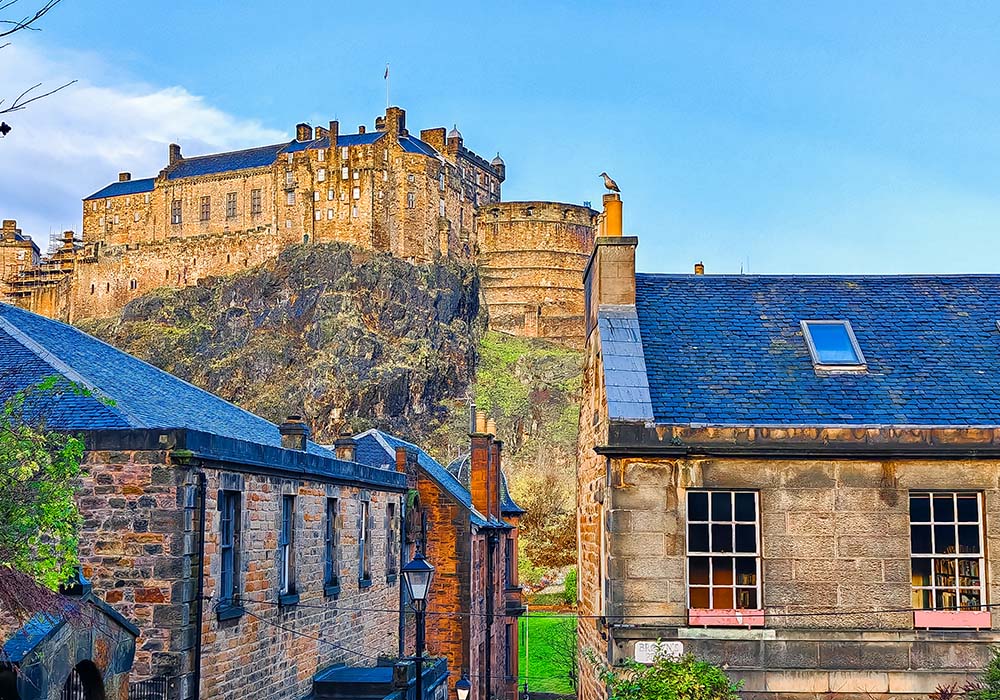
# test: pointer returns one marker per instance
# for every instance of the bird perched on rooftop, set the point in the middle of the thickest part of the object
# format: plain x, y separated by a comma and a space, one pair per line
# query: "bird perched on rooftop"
609, 183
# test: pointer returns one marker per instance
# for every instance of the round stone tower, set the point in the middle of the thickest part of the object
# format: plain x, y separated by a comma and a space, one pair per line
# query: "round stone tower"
531, 259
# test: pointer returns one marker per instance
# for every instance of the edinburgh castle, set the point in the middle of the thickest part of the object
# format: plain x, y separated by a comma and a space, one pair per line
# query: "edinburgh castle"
383, 190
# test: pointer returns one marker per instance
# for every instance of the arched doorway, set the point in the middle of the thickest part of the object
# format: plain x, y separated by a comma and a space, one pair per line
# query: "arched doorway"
8, 684
83, 683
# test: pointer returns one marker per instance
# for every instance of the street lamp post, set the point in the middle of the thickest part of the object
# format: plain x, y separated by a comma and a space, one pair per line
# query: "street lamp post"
417, 576
463, 688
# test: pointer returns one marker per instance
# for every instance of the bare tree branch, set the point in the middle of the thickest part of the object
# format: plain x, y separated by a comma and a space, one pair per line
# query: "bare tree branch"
19, 105
29, 20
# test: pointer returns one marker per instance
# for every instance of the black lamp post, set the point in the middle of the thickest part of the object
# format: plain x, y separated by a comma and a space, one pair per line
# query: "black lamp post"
417, 576
463, 688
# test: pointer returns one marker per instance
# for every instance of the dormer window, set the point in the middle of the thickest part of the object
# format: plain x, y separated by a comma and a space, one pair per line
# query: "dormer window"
832, 345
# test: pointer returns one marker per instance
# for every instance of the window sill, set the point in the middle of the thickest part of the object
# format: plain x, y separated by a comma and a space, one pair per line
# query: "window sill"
288, 599
229, 612
331, 589
364, 583
699, 617
952, 619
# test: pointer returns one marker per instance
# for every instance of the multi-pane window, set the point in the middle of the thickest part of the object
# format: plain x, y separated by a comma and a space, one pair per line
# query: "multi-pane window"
946, 545
331, 575
344, 173
175, 211
441, 182
255, 202
290, 198
230, 205
321, 155
509, 558
321, 174
392, 541
723, 550
289, 178
364, 542
206, 208
286, 546
356, 193
229, 532
411, 200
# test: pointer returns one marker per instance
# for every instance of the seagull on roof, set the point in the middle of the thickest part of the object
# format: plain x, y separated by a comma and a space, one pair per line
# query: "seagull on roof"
609, 183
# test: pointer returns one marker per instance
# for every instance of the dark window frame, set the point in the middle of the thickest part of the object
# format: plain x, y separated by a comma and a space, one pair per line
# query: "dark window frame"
230, 205
230, 524
364, 544
176, 212
255, 202
331, 566
287, 594
205, 210
726, 543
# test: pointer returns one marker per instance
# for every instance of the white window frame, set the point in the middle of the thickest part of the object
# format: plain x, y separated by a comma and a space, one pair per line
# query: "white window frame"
321, 155
710, 555
979, 557
321, 175
345, 173
356, 193
819, 364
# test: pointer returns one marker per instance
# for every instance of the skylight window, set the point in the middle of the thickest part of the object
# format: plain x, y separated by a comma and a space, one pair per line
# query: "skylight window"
832, 345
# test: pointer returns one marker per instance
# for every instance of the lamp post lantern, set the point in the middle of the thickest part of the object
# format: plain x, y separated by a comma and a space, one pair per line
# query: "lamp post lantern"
463, 688
417, 576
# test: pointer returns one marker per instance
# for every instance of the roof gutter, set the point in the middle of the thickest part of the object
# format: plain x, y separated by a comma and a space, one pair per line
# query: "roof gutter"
805, 451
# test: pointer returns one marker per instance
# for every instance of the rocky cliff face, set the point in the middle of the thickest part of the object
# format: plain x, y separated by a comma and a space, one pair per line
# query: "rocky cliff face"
347, 337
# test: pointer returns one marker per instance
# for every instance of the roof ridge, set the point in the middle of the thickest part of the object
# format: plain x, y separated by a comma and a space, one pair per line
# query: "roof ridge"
64, 369
793, 276
238, 150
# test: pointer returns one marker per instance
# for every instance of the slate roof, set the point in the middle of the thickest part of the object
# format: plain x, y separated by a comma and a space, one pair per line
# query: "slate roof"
378, 449
24, 640
624, 366
728, 350
411, 144
116, 189
33, 348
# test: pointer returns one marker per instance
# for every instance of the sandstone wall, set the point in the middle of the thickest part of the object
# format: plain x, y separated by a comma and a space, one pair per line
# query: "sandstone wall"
139, 546
532, 256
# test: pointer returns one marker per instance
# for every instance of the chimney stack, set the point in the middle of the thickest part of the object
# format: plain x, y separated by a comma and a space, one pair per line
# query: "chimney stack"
361, 128
480, 461
334, 133
124, 177
294, 433
175, 154
609, 277
496, 447
699, 268
10, 229
303, 132
345, 447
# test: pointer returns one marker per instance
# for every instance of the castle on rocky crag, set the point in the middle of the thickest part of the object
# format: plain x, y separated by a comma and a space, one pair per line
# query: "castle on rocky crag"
383, 190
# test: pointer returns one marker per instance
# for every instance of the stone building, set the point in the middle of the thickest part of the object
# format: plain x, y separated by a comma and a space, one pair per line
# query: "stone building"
468, 531
17, 251
383, 189
794, 477
251, 559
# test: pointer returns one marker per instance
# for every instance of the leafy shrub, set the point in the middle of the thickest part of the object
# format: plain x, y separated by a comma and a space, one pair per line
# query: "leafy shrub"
686, 678
987, 686
569, 587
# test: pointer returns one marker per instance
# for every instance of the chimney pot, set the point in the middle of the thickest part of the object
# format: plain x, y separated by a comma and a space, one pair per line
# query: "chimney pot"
481, 422
699, 268
124, 177
294, 433
491, 427
345, 447
612, 215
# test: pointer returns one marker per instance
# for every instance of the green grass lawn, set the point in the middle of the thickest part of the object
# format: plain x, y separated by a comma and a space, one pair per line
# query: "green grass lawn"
544, 660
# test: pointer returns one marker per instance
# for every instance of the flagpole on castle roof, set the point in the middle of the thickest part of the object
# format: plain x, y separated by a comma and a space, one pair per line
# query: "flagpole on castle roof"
386, 86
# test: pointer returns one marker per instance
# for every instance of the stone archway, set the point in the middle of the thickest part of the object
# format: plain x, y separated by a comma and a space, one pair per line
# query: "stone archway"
83, 683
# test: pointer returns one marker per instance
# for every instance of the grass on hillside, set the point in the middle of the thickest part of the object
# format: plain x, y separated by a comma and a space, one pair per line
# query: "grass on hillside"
551, 643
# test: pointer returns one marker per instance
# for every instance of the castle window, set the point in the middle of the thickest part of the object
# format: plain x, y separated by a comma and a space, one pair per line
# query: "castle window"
409, 177
166, 275
364, 544
723, 550
329, 214
108, 289
354, 211
343, 152
230, 205
441, 207
107, 203
385, 154
133, 284
356, 193
357, 174
331, 568
100, 221
321, 155
290, 157
146, 198
385, 176
315, 195
135, 217
946, 551
255, 203
392, 538
116, 218
93, 206
288, 223
318, 215
321, 174
411, 200
229, 258
175, 211
344, 173
93, 288
286, 547
441, 182
329, 194
289, 178
229, 536
206, 209
290, 198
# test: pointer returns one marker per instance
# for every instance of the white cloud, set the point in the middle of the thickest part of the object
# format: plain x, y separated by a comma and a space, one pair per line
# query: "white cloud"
67, 146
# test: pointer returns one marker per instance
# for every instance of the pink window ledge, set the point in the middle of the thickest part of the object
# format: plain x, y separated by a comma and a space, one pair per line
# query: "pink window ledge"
701, 617
952, 619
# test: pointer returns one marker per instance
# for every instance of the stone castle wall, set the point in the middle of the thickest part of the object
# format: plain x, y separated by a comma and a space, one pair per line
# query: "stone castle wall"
532, 256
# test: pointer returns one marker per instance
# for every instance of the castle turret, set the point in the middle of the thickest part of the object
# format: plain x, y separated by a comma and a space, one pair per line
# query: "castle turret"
500, 167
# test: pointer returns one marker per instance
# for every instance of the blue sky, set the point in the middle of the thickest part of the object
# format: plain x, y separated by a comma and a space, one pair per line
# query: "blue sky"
774, 137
